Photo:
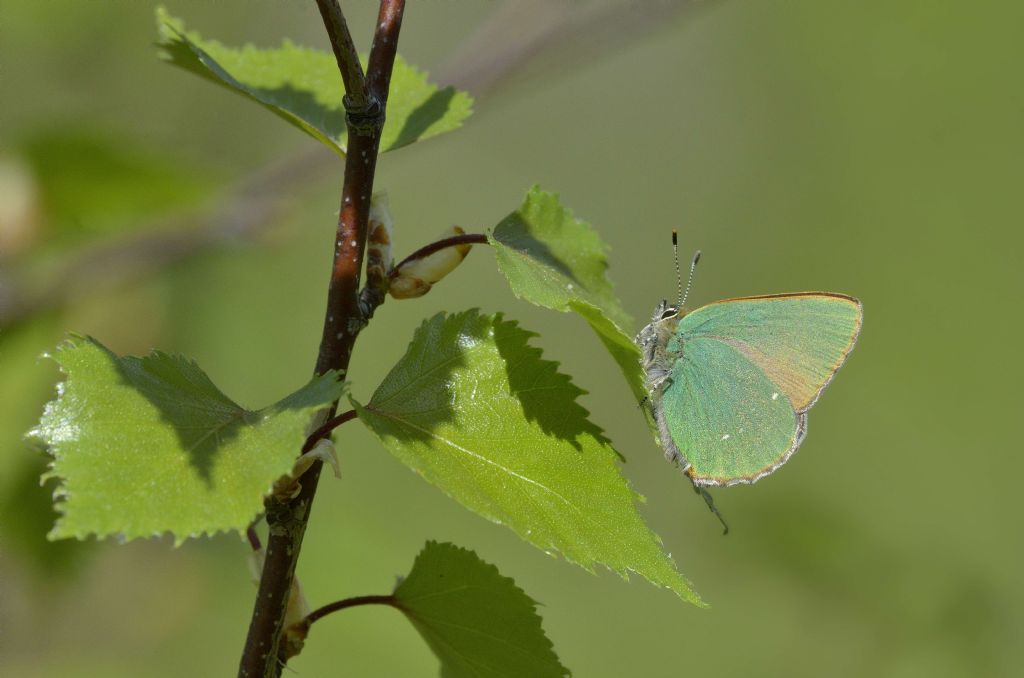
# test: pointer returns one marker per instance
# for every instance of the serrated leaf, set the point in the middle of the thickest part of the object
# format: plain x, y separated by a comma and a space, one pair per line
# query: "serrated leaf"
557, 261
475, 409
303, 86
144, 446
477, 622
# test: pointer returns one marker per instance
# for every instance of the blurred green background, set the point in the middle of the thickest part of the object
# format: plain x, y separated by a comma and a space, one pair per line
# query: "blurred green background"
872, 148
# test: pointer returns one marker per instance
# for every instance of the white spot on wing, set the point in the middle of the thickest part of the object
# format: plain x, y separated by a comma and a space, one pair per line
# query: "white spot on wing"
725, 436
775, 396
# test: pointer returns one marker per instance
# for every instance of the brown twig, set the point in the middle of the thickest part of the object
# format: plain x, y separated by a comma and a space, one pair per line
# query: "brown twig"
343, 321
345, 52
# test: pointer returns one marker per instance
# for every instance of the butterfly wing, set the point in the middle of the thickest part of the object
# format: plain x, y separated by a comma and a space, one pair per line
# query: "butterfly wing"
748, 371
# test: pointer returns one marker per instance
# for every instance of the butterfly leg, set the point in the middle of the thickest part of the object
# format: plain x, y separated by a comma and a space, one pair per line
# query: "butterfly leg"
711, 505
655, 388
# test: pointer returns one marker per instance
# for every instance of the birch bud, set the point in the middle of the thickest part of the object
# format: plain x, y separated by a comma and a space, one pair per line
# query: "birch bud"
295, 630
378, 242
416, 277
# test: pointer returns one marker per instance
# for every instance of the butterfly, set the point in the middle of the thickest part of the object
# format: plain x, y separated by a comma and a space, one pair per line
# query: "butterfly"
730, 383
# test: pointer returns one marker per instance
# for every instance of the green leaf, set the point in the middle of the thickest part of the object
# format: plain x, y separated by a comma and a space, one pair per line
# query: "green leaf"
303, 86
475, 409
477, 622
556, 261
144, 446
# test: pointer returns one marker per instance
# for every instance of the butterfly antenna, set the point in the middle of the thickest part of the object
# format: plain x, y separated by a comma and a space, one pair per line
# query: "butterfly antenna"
689, 278
675, 260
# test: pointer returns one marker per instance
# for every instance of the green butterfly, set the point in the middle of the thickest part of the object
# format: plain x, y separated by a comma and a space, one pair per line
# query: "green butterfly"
730, 383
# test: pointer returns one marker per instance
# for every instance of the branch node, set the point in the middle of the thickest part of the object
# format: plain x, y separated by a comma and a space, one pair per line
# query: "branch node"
369, 299
366, 121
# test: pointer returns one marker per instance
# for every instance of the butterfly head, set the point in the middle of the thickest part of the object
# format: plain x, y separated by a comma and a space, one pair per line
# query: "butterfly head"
654, 336
665, 315
664, 311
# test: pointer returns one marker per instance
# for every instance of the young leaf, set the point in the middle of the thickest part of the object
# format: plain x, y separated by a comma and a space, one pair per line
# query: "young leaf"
302, 86
475, 409
477, 622
149, 445
556, 261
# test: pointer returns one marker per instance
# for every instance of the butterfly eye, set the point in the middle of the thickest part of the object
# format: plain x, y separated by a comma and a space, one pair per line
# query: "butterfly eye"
668, 313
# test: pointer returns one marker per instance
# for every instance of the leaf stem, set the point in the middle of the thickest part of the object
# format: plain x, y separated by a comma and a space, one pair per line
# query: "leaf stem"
253, 537
337, 605
427, 250
264, 655
325, 430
